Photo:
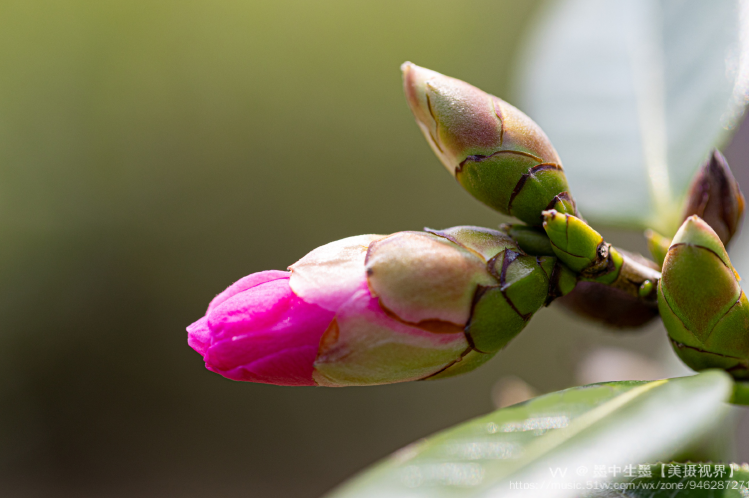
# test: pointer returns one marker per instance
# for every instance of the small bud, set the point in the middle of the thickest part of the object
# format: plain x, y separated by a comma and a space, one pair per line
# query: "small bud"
577, 245
494, 150
657, 245
375, 310
702, 305
714, 196
617, 287
645, 289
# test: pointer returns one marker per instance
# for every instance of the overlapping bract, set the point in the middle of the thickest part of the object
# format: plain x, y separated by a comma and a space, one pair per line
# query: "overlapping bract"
714, 195
377, 309
500, 156
496, 152
701, 302
703, 307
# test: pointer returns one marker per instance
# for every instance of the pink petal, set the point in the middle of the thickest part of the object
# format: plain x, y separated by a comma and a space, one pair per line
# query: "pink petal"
258, 330
292, 365
199, 336
246, 283
257, 308
329, 275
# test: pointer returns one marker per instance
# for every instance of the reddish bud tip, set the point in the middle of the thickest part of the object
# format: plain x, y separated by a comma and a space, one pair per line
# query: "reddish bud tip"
715, 197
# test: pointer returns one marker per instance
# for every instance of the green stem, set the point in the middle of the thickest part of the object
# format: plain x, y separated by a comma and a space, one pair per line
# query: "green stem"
636, 276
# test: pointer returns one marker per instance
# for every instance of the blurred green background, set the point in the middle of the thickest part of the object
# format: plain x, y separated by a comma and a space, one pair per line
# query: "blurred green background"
151, 153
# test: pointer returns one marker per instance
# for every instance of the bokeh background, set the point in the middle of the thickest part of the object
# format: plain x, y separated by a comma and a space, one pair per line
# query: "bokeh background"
154, 151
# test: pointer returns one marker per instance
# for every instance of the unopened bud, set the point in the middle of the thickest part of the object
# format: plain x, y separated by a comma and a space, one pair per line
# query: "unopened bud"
494, 150
580, 247
617, 287
701, 302
714, 196
377, 309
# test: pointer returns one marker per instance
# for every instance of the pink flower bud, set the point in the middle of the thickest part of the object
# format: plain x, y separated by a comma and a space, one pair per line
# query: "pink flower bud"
371, 310
258, 330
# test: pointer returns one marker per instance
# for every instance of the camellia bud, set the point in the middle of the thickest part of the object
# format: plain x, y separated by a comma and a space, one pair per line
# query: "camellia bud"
378, 309
584, 250
495, 151
701, 302
593, 300
715, 197
581, 248
618, 288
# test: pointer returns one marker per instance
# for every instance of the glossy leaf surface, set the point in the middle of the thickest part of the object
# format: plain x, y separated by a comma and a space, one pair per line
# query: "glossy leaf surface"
615, 423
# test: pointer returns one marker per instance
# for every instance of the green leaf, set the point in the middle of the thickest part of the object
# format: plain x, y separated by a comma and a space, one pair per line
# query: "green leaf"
615, 423
685, 480
633, 95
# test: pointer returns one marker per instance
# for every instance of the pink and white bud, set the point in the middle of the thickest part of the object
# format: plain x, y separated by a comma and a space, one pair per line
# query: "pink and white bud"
496, 152
373, 310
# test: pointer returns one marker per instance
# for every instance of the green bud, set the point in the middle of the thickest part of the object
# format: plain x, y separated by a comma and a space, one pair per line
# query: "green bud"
646, 288
580, 247
494, 150
657, 245
701, 302
618, 288
714, 196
